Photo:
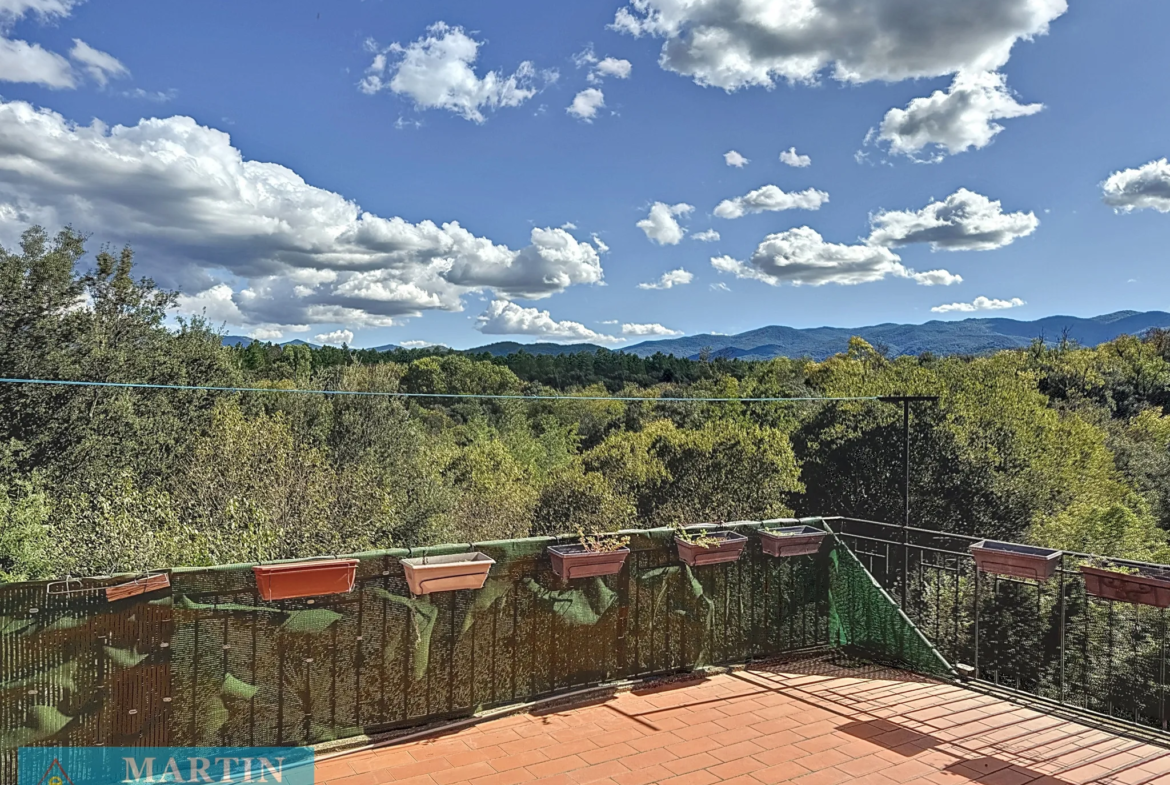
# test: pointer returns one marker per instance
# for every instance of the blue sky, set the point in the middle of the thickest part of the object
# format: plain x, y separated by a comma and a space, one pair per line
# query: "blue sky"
295, 169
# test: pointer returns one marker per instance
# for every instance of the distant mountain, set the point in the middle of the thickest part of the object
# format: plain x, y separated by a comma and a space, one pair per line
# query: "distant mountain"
511, 347
968, 336
243, 340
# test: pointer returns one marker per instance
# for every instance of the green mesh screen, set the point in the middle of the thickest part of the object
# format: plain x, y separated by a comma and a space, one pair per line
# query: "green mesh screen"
863, 617
207, 662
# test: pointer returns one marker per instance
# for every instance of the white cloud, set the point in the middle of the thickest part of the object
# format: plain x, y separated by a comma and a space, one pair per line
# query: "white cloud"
506, 318
648, 329
980, 304
157, 96
610, 66
568, 225
679, 277
801, 256
769, 198
201, 215
601, 246
21, 61
419, 344
661, 226
266, 334
101, 66
791, 158
964, 221
720, 287
335, 338
708, 236
586, 104
435, 72
215, 303
739, 43
954, 121
732, 158
1147, 187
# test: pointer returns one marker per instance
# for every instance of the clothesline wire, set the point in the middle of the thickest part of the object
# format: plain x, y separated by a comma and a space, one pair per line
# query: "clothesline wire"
480, 396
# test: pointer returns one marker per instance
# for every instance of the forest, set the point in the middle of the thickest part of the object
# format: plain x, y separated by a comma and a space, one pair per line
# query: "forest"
1058, 445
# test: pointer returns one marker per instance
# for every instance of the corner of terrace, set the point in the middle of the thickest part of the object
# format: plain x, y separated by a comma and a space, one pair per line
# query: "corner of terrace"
816, 651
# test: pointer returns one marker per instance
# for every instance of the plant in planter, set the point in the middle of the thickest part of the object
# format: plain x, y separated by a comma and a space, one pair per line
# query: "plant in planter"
450, 572
708, 547
1127, 583
595, 554
1014, 560
791, 541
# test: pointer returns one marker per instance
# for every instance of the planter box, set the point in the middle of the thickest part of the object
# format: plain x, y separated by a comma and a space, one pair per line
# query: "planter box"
1016, 561
791, 541
729, 549
136, 587
305, 579
1147, 588
430, 574
574, 561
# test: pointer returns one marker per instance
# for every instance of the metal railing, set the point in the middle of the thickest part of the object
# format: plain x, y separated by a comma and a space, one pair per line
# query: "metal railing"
1051, 640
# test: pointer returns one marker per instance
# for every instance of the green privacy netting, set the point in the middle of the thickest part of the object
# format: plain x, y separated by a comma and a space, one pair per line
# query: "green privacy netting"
208, 662
863, 617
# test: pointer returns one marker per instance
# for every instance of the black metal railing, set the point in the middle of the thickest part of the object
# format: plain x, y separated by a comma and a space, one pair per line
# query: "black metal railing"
1049, 639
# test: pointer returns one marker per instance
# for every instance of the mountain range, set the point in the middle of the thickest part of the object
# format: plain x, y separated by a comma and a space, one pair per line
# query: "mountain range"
968, 336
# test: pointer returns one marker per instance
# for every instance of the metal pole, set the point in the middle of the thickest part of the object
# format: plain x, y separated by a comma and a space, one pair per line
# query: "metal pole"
906, 500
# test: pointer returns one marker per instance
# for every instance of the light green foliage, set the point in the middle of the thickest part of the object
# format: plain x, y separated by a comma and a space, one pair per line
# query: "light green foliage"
25, 544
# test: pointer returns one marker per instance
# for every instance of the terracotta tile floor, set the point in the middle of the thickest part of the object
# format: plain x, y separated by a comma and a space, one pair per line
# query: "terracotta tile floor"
810, 725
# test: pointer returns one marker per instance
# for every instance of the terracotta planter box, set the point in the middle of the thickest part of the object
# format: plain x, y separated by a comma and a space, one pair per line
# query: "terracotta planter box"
305, 579
1016, 561
140, 586
791, 541
574, 561
430, 574
1149, 588
729, 549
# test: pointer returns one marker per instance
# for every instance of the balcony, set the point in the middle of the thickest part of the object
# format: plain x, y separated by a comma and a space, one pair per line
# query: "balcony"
883, 656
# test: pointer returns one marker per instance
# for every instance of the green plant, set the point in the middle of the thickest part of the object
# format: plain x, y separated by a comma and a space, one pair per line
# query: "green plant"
698, 538
1100, 563
598, 542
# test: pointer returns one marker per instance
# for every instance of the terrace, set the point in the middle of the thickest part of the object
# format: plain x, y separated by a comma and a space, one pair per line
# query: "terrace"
879, 655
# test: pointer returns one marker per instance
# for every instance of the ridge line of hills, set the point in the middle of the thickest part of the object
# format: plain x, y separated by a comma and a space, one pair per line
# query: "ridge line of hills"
967, 336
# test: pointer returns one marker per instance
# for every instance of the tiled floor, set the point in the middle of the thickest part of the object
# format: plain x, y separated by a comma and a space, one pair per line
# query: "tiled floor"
813, 726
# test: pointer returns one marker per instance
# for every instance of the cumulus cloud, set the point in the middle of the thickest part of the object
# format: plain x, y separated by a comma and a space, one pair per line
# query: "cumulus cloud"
791, 158
964, 221
21, 61
980, 304
586, 104
708, 236
661, 226
801, 256
101, 66
732, 158
335, 338
436, 72
1147, 187
503, 317
200, 216
679, 277
956, 120
739, 43
770, 198
648, 329
600, 69
419, 344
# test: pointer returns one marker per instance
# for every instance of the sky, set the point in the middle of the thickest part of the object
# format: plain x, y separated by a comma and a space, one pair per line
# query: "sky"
377, 172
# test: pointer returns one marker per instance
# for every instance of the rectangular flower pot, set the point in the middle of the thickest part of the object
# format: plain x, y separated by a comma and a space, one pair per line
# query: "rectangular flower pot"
729, 549
791, 541
1147, 588
575, 561
1014, 560
305, 579
430, 574
138, 586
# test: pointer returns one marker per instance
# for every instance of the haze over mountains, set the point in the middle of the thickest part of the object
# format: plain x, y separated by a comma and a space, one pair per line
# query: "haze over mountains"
968, 336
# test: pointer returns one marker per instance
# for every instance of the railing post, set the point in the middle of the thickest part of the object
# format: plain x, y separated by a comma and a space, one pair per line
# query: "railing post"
977, 622
1060, 568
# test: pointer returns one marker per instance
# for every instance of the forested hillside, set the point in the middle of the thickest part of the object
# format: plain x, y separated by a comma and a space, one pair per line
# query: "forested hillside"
1058, 445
